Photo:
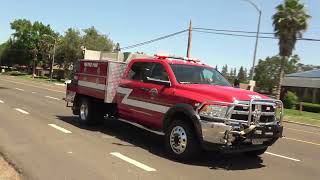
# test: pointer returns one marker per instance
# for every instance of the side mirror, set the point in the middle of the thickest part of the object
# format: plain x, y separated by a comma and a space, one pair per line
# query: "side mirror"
159, 81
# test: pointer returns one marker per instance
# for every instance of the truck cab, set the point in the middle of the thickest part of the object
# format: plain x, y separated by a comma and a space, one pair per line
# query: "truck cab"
188, 102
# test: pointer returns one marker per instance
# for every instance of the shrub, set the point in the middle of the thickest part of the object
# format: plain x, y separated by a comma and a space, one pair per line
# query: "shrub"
290, 100
309, 107
15, 73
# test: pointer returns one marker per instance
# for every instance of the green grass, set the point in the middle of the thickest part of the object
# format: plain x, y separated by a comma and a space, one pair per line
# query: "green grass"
38, 78
302, 117
41, 79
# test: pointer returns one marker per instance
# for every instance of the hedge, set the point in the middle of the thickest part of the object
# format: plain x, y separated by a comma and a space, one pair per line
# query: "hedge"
290, 100
14, 73
310, 107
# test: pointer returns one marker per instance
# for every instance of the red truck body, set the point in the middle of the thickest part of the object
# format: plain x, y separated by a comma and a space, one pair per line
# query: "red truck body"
157, 93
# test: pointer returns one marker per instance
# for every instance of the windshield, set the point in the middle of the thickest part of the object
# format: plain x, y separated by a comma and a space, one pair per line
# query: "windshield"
188, 74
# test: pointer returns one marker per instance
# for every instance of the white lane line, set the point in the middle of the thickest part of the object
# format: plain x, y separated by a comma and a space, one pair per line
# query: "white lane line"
134, 162
34, 86
22, 111
302, 141
285, 157
19, 89
60, 128
52, 98
1, 102
310, 132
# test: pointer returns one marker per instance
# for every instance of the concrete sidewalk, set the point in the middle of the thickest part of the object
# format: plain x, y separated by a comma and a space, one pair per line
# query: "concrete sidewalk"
7, 172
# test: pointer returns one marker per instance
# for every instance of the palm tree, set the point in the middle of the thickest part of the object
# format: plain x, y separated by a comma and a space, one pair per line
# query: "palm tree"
289, 22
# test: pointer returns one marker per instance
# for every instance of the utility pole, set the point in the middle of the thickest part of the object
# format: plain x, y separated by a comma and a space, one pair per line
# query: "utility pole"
52, 63
189, 39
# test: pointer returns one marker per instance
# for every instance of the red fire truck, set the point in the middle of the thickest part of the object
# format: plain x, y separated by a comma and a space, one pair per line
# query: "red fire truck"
188, 102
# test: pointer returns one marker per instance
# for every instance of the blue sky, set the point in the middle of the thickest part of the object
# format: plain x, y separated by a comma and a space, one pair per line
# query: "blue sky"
129, 22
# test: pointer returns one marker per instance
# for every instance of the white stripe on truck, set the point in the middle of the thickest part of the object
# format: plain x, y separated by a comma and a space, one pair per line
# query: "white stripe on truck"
140, 104
92, 85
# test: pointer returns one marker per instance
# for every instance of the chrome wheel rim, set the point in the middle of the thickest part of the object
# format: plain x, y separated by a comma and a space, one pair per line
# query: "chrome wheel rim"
178, 140
83, 111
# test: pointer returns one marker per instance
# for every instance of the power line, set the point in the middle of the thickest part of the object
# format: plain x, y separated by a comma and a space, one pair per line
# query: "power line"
232, 31
236, 33
252, 36
154, 40
232, 34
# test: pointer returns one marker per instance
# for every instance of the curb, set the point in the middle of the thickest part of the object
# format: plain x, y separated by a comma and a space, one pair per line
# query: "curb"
304, 124
59, 84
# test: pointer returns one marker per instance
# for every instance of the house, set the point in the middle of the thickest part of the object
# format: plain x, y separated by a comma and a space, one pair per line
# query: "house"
306, 85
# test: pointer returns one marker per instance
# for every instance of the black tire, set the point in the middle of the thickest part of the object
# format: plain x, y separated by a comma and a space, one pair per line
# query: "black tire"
86, 112
256, 153
192, 147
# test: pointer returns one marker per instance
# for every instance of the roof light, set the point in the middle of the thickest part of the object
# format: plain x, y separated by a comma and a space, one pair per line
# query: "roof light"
165, 56
162, 55
191, 59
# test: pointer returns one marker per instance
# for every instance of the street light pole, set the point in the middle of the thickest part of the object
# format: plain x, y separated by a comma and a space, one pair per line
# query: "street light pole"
255, 47
257, 38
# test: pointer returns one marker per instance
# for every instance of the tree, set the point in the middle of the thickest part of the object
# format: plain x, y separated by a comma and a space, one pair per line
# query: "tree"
30, 38
307, 67
242, 76
3, 49
246, 75
264, 72
224, 71
232, 75
289, 21
12, 54
69, 49
93, 40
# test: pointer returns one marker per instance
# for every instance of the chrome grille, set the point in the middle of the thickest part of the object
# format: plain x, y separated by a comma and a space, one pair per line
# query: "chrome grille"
253, 111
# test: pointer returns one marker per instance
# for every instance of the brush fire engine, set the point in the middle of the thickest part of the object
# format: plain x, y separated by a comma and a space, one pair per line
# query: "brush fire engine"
191, 104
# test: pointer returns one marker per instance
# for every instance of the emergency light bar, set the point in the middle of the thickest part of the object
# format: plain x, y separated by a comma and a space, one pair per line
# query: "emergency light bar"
164, 56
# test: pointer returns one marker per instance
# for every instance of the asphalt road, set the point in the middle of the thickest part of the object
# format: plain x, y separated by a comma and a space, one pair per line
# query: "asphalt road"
44, 141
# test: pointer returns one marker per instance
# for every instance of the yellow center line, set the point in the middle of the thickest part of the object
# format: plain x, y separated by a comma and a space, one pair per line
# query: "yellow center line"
302, 131
298, 140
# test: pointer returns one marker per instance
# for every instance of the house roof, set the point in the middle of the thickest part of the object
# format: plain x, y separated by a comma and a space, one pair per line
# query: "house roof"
307, 74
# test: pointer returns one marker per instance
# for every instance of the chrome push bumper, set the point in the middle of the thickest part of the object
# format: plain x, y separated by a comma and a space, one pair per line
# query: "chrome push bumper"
228, 131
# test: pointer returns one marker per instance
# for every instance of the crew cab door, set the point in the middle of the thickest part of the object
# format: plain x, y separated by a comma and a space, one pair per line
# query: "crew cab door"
158, 96
143, 101
129, 92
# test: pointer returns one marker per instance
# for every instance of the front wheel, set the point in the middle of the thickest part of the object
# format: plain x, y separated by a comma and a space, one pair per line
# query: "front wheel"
180, 140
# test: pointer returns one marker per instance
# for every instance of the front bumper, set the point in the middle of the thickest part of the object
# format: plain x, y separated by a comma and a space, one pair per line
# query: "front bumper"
240, 135
219, 136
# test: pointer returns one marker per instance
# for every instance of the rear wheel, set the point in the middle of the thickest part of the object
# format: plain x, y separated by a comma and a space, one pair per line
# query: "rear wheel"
86, 112
181, 142
256, 152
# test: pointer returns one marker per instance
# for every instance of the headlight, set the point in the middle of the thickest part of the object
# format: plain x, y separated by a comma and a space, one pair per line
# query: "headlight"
213, 111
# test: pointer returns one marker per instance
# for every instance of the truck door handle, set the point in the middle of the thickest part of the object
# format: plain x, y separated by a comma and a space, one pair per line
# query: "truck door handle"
144, 89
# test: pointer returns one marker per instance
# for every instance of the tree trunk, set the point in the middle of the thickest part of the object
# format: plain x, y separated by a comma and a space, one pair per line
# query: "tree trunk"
280, 77
33, 68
